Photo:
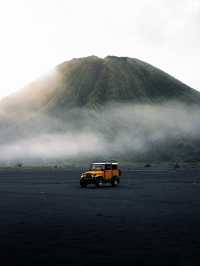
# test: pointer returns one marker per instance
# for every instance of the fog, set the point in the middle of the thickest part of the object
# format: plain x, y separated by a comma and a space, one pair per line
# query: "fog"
125, 132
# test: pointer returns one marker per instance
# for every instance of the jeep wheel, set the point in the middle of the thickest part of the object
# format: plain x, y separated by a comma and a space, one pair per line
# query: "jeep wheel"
99, 182
115, 182
83, 184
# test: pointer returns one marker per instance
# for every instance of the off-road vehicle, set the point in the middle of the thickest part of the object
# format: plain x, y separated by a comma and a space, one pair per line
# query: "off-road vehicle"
101, 173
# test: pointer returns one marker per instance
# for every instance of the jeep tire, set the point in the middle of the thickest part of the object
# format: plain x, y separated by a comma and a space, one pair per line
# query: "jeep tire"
99, 182
115, 181
83, 184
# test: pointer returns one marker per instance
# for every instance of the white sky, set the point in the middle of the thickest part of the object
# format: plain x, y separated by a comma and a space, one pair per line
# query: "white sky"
36, 35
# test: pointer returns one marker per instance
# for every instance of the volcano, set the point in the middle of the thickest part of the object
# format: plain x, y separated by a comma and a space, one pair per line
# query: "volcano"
93, 108
92, 82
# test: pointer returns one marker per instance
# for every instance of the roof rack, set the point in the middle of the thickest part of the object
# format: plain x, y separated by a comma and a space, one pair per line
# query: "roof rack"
106, 162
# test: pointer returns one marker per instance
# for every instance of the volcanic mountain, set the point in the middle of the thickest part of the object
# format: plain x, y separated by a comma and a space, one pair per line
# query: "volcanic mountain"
92, 82
111, 108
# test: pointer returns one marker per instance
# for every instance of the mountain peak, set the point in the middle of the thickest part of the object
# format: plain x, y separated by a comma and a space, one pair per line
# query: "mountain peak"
92, 81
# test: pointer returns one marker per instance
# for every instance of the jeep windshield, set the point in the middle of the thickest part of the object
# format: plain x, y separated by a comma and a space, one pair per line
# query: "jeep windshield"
96, 167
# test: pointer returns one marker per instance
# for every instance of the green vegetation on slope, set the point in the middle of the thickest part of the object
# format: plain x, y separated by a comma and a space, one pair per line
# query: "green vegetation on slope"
92, 82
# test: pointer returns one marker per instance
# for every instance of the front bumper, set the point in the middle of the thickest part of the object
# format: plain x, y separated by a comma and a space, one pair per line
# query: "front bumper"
89, 179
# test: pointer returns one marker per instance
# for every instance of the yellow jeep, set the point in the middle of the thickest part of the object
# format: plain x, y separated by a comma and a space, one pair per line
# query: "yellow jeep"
101, 173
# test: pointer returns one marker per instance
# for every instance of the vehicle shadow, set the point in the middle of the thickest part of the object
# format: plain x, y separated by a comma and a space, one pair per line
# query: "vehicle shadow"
99, 188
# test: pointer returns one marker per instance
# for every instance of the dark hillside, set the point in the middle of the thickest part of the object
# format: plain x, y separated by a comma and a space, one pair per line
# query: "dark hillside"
92, 82
92, 108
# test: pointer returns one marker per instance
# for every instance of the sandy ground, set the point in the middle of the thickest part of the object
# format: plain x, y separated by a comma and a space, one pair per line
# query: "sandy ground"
152, 218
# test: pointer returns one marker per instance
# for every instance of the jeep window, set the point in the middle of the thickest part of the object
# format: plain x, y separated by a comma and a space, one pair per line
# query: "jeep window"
114, 166
108, 166
97, 167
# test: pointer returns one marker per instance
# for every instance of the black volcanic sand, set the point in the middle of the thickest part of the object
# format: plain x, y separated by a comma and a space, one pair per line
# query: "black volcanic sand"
152, 218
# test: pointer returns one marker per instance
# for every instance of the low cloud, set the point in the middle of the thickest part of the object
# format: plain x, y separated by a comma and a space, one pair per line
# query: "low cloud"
127, 132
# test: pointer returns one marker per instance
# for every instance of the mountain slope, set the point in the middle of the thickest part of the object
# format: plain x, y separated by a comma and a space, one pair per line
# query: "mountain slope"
92, 82
92, 108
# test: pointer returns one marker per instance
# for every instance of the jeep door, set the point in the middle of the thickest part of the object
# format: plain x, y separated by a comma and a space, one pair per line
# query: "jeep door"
115, 170
108, 172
